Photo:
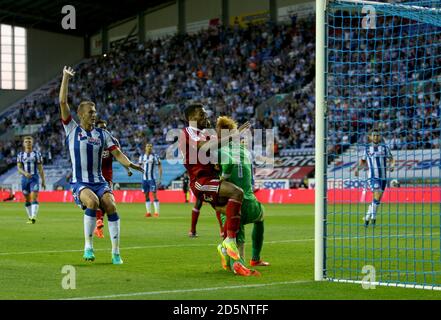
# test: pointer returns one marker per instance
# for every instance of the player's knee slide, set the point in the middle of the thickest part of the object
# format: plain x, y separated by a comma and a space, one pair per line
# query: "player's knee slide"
113, 217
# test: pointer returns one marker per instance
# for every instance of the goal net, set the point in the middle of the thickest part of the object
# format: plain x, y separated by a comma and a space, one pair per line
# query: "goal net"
378, 204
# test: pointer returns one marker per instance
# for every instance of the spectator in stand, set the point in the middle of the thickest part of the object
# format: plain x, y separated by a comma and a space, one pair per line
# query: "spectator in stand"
233, 71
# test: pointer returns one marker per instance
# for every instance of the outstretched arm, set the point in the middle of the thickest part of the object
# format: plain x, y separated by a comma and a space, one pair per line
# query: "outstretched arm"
391, 164
160, 171
361, 165
129, 172
207, 145
268, 160
43, 179
391, 159
122, 158
65, 110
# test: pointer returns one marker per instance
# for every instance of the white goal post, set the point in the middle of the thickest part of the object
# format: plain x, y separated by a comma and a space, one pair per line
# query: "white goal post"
419, 265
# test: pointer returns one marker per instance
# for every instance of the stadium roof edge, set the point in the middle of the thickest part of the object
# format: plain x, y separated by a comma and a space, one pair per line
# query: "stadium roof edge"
91, 16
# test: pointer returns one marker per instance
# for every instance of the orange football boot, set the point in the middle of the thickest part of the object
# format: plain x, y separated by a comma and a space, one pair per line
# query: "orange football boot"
259, 263
99, 228
241, 270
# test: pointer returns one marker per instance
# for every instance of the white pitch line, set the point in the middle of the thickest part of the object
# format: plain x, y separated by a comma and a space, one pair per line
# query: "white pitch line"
150, 293
143, 247
206, 244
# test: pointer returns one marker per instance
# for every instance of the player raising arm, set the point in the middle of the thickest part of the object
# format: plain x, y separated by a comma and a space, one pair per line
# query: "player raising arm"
376, 155
86, 145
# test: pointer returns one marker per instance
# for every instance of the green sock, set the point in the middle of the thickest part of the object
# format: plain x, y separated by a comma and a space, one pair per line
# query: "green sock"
232, 261
257, 238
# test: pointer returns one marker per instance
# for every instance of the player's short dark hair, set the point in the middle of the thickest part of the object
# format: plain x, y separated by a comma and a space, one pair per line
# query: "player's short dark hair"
101, 121
83, 104
190, 110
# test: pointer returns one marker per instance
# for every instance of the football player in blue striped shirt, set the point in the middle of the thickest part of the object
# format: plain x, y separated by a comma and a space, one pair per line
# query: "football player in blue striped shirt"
30, 166
376, 156
149, 161
86, 145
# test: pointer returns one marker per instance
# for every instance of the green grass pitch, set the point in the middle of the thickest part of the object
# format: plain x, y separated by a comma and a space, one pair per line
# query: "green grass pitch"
161, 262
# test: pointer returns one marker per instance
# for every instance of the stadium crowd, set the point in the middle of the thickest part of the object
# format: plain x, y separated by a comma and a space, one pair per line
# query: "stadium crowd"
389, 80
231, 70
140, 89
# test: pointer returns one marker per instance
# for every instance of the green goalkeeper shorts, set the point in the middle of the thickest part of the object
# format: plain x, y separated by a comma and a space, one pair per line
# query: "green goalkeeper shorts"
252, 211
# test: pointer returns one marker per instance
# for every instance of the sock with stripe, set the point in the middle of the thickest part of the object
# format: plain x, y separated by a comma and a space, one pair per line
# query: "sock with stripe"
35, 207
241, 247
28, 207
114, 230
375, 204
156, 205
194, 219
99, 214
219, 220
223, 221
89, 226
257, 238
233, 218
368, 213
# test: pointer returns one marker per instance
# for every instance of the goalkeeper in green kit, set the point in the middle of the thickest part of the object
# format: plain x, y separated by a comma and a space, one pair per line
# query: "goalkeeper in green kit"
236, 167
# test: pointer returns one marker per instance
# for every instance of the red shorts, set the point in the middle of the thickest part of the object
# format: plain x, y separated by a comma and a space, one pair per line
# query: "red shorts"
206, 189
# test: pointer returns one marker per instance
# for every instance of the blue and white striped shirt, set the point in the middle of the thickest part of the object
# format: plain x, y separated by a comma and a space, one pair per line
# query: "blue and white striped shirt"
30, 161
376, 157
86, 150
149, 163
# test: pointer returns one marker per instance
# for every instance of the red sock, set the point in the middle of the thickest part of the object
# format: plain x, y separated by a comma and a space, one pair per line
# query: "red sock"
99, 214
194, 219
233, 217
218, 216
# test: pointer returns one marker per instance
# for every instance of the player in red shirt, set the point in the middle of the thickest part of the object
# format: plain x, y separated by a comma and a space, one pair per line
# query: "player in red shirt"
204, 179
106, 168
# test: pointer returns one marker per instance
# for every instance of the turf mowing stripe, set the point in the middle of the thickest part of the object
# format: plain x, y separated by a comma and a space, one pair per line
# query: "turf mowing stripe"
186, 245
149, 293
143, 247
